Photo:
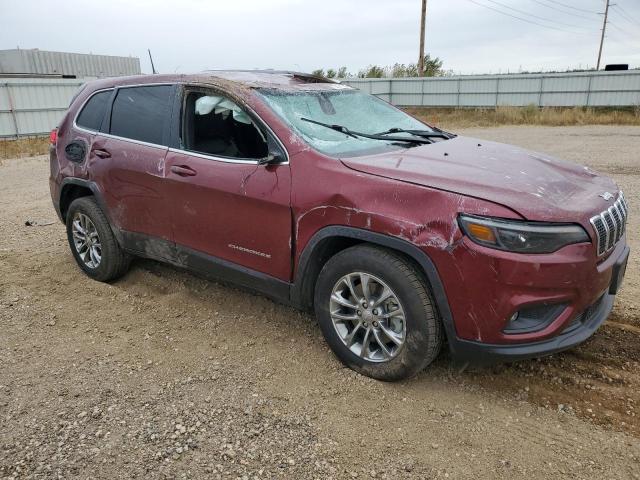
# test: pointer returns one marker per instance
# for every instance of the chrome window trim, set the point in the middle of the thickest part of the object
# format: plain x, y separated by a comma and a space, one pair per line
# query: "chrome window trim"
245, 161
116, 87
132, 140
248, 161
75, 119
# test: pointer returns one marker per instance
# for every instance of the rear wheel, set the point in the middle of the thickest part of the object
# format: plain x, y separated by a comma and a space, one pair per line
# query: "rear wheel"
92, 242
375, 312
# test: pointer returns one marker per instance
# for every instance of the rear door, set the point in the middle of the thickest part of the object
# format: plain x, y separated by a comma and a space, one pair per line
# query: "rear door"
128, 158
225, 205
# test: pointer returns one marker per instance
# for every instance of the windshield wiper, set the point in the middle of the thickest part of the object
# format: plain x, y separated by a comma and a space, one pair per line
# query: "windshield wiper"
375, 136
436, 133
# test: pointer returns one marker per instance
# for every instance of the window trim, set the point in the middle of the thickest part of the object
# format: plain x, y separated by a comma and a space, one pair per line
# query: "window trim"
185, 88
110, 106
178, 96
84, 103
166, 132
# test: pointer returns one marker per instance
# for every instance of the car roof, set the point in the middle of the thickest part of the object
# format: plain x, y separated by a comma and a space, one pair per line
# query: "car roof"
273, 79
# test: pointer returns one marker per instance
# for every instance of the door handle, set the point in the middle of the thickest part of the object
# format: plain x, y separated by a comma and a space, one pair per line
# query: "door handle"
183, 170
98, 152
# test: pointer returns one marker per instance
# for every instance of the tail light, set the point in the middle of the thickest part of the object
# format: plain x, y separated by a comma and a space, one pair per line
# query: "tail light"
53, 136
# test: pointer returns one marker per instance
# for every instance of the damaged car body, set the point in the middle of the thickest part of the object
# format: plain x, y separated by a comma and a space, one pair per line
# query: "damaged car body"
397, 234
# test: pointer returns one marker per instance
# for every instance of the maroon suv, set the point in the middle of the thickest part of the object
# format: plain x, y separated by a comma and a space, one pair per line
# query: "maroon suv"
396, 233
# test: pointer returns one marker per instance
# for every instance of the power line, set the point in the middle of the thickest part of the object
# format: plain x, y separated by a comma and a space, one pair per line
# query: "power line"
525, 19
573, 8
614, 38
619, 29
564, 11
534, 16
623, 13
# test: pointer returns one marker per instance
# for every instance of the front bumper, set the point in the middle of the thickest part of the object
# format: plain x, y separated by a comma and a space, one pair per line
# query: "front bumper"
576, 331
476, 353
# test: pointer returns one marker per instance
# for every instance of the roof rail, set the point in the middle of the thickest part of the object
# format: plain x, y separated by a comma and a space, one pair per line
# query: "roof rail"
303, 77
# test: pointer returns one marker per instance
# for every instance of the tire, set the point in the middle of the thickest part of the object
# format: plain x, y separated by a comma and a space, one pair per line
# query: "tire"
383, 270
113, 262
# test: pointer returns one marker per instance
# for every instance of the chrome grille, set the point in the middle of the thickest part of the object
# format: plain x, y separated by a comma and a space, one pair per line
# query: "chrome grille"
610, 225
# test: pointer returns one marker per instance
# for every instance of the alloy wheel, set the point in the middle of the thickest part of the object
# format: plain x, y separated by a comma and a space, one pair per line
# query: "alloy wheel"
368, 317
86, 240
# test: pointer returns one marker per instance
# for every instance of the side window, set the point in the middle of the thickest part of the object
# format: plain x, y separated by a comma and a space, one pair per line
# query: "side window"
93, 111
214, 125
141, 113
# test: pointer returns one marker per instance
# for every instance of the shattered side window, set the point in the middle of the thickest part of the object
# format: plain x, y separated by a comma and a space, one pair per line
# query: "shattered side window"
353, 109
205, 105
215, 125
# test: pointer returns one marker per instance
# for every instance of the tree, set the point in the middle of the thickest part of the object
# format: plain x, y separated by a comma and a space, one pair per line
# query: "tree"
372, 71
432, 66
398, 70
319, 72
412, 70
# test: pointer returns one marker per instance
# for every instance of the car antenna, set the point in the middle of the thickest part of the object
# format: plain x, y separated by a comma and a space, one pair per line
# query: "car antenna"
153, 69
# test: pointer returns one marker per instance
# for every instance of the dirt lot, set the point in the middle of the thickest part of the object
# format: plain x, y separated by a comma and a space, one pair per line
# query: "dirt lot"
165, 375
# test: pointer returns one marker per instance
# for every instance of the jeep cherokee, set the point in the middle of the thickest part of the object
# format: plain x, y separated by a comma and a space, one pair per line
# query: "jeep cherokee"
397, 234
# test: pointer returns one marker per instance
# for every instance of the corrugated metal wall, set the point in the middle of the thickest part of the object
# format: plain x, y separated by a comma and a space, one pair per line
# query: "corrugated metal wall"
33, 106
64, 63
595, 89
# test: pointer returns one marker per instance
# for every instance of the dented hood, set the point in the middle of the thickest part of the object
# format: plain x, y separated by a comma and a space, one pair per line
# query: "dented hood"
535, 185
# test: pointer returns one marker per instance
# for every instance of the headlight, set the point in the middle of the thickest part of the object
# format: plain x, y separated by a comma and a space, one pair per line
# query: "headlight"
519, 236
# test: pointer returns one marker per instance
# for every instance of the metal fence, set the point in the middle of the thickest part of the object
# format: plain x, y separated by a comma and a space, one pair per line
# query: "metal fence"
591, 89
33, 106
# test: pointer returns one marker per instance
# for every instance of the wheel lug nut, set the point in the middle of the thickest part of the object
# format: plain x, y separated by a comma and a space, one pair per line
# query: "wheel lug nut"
375, 311
375, 324
358, 312
364, 324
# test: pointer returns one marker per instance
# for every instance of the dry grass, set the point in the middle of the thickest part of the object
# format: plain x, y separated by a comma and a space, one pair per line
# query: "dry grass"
530, 115
24, 147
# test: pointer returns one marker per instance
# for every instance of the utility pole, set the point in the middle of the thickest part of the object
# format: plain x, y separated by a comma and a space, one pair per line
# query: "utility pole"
604, 28
422, 23
153, 68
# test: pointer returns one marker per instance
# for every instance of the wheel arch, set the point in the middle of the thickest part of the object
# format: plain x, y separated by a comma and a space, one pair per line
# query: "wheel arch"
330, 240
73, 188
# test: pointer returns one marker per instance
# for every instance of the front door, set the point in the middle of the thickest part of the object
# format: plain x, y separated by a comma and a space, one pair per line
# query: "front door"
224, 204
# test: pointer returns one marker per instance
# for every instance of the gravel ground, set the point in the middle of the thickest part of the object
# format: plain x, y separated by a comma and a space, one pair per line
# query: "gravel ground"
165, 375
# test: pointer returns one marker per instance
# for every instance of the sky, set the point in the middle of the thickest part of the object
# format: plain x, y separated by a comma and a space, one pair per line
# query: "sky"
194, 35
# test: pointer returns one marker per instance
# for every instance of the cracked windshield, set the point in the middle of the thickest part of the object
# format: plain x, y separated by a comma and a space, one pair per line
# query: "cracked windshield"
357, 111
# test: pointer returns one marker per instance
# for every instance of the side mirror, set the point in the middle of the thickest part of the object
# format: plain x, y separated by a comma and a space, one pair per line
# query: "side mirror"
273, 158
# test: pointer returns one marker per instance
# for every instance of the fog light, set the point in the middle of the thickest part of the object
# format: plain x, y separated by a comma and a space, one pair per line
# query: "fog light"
533, 318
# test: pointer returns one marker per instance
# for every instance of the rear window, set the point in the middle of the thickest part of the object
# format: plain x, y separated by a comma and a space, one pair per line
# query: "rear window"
141, 113
93, 112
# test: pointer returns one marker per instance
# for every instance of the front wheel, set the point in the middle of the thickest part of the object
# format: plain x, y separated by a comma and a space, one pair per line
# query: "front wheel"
375, 312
